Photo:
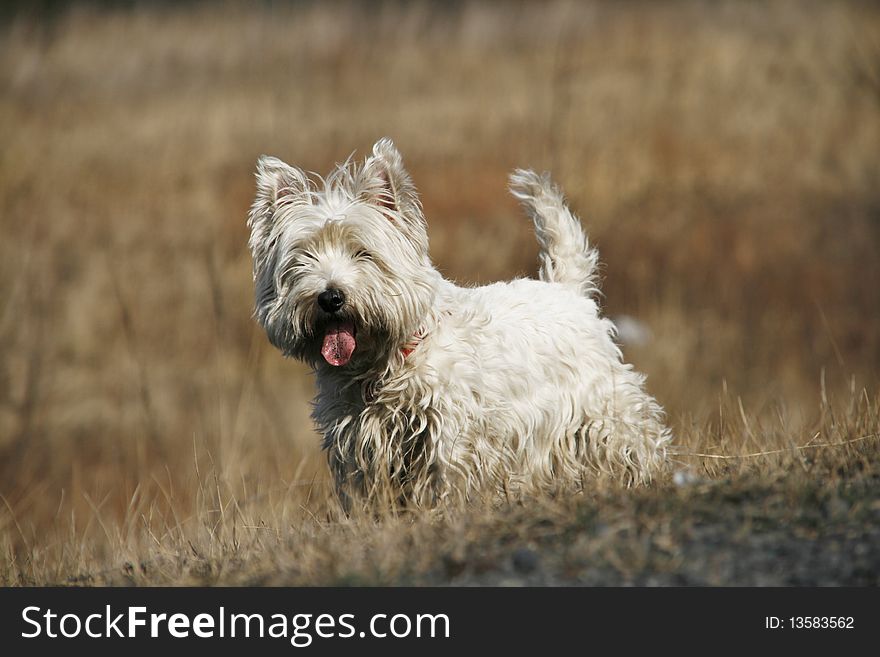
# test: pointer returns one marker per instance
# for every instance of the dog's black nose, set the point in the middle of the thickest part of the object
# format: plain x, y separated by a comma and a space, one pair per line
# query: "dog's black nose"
331, 299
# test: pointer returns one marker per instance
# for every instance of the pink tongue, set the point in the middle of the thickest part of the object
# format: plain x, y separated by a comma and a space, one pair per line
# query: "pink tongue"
339, 344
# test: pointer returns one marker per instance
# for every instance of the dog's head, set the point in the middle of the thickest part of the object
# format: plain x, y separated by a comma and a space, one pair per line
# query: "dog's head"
341, 268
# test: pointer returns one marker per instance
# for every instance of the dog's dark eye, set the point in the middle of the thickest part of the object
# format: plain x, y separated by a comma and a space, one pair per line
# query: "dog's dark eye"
363, 255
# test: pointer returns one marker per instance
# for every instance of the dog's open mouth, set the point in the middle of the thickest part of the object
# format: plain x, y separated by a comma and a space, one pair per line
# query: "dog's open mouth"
339, 343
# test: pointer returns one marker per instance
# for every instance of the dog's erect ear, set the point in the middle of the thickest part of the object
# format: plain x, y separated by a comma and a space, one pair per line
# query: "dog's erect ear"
387, 183
395, 189
277, 184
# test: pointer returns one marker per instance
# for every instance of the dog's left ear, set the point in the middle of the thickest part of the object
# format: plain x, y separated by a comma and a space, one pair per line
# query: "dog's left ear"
387, 183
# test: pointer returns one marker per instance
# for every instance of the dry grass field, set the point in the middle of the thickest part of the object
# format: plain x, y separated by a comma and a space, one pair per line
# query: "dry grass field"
724, 156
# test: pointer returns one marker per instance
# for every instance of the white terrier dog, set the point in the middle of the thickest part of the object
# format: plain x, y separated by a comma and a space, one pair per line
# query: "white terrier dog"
427, 391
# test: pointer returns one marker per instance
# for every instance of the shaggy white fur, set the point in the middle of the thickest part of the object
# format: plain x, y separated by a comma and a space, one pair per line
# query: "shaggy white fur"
427, 391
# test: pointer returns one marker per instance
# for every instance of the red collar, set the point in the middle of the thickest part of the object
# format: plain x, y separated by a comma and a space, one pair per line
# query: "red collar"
410, 346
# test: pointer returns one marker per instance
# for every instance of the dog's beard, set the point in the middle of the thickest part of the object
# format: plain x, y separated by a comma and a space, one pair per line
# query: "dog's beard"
375, 322
350, 343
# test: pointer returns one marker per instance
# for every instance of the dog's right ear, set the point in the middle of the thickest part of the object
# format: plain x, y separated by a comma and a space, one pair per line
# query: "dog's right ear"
278, 184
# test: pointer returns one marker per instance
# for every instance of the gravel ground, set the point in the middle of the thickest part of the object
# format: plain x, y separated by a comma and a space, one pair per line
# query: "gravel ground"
785, 523
715, 534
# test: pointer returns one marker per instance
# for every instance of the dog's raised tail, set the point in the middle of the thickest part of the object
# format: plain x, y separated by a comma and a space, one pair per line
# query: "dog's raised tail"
566, 255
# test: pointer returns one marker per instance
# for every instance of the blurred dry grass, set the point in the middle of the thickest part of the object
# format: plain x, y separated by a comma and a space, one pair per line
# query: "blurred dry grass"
725, 156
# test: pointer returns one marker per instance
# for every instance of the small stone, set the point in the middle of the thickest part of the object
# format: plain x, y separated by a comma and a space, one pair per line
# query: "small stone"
685, 477
525, 560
